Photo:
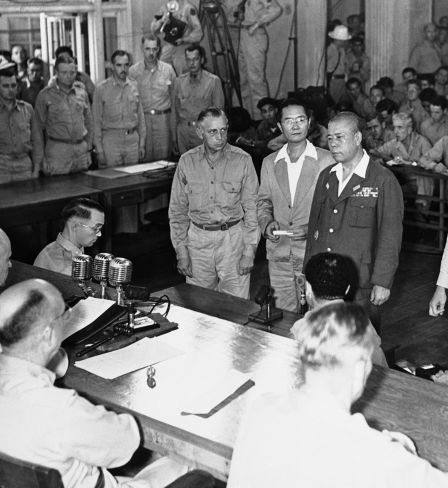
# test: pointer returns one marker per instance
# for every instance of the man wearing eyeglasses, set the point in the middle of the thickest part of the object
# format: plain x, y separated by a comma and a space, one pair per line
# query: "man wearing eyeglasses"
213, 214
83, 221
288, 178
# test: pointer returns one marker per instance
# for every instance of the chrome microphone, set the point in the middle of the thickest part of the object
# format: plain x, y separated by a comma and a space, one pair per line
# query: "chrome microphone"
82, 272
120, 273
101, 265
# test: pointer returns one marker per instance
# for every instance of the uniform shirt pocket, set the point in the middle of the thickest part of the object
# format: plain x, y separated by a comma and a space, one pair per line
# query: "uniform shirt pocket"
362, 212
195, 194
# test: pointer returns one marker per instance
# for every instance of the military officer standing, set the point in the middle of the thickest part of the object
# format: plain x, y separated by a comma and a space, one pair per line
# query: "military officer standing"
357, 210
62, 122
155, 81
213, 214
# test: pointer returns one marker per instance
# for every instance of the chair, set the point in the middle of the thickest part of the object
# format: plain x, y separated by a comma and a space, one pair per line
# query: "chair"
15, 473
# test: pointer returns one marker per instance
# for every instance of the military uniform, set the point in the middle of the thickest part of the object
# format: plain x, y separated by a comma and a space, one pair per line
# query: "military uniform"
175, 54
58, 255
364, 222
155, 86
433, 131
63, 129
16, 142
191, 96
213, 217
253, 48
275, 202
119, 125
425, 57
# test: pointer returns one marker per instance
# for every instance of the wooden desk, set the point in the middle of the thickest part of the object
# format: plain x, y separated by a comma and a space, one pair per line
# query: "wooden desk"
392, 400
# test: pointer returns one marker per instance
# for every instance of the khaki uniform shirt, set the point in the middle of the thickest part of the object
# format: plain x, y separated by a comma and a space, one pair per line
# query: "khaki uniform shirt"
416, 110
154, 85
418, 145
433, 131
57, 256
192, 95
260, 11
214, 193
62, 116
425, 57
117, 106
15, 129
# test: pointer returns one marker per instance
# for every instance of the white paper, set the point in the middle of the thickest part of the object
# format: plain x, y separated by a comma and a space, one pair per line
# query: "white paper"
144, 352
184, 317
209, 396
141, 168
84, 313
108, 173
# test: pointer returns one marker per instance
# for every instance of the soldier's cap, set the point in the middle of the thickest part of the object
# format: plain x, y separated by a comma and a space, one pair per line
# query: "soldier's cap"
5, 64
267, 101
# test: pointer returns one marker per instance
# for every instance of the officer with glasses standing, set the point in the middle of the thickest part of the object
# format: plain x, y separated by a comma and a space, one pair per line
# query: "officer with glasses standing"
83, 221
288, 179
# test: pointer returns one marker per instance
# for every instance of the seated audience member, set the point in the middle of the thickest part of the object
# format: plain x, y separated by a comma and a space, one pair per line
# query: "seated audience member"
357, 61
5, 256
441, 81
386, 108
407, 148
413, 104
426, 80
55, 427
33, 82
331, 277
387, 84
359, 101
425, 57
426, 95
436, 126
407, 74
83, 220
436, 159
16, 140
377, 132
318, 442
376, 94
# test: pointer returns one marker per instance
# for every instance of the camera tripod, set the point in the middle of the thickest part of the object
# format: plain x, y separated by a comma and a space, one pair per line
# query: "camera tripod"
225, 63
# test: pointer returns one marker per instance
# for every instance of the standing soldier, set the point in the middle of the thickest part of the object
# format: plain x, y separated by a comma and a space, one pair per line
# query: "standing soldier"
253, 47
155, 81
119, 125
62, 123
193, 92
15, 130
178, 23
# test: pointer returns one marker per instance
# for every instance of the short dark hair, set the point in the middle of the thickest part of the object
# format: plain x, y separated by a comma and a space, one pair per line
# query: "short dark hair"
429, 77
267, 101
152, 37
386, 105
8, 73
353, 80
64, 58
290, 102
409, 69
80, 207
444, 67
385, 82
427, 95
196, 47
17, 327
377, 87
63, 49
211, 112
119, 52
36, 61
439, 101
414, 81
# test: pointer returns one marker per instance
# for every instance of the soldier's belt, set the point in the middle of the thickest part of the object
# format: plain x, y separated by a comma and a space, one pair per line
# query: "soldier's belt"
158, 112
66, 141
191, 123
225, 226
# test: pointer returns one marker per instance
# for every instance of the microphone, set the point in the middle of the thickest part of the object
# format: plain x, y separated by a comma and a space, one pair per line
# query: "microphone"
120, 273
101, 266
82, 272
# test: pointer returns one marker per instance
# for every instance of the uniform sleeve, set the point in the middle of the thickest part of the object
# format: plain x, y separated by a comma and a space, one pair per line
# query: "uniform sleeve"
141, 125
218, 94
88, 122
195, 34
158, 20
249, 190
178, 212
37, 131
174, 109
435, 154
97, 113
271, 11
265, 208
389, 232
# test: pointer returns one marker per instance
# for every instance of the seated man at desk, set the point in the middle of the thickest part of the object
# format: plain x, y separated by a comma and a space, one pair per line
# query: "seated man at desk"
52, 426
316, 440
332, 277
5, 256
83, 220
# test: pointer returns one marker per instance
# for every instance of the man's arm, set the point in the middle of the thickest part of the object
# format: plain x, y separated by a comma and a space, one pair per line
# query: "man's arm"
195, 34
265, 207
217, 93
37, 131
141, 130
430, 158
97, 113
88, 122
270, 11
438, 300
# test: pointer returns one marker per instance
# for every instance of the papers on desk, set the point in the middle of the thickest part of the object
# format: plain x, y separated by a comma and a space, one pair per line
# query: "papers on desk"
108, 173
84, 313
140, 354
208, 399
141, 168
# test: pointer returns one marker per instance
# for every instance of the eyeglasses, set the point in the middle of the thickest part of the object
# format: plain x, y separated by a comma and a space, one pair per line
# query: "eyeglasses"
64, 315
295, 120
97, 229
214, 132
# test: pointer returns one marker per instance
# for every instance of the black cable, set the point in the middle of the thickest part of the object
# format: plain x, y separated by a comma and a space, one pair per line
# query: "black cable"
285, 61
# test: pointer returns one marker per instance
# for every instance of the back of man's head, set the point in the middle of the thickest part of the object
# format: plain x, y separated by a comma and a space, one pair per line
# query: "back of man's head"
81, 208
5, 256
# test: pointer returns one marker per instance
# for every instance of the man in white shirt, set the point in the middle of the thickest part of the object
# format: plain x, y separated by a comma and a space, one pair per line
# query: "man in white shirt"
317, 442
288, 179
438, 300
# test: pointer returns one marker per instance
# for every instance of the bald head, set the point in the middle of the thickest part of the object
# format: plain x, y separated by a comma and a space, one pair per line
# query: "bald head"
27, 311
5, 255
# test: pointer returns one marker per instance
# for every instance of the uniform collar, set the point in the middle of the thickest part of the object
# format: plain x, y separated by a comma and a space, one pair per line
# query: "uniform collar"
116, 83
360, 169
197, 78
68, 246
3, 105
152, 68
310, 151
20, 368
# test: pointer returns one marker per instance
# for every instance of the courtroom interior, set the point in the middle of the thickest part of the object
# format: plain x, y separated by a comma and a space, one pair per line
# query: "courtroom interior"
223, 243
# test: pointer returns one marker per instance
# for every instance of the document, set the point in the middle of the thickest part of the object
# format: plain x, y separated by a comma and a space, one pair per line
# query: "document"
141, 168
84, 313
140, 354
108, 173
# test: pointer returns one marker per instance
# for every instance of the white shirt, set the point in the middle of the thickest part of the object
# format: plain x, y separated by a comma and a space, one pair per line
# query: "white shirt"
295, 168
360, 170
305, 439
443, 274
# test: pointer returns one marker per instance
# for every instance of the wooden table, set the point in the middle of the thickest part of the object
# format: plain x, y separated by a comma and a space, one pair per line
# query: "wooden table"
392, 400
